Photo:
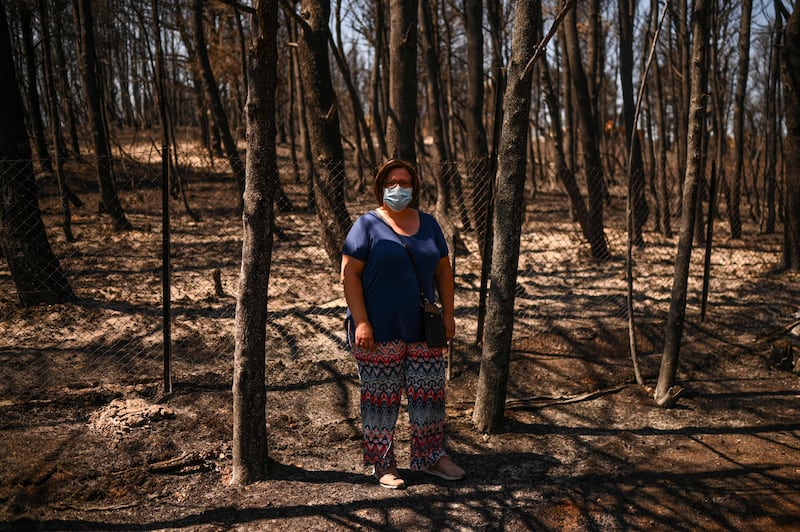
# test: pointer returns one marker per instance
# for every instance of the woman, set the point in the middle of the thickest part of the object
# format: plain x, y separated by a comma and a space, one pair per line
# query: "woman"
385, 328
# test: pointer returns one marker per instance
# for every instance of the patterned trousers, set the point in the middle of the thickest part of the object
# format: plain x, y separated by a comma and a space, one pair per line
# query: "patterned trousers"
385, 373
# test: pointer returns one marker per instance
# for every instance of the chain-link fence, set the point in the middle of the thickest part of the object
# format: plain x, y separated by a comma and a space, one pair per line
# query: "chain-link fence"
113, 333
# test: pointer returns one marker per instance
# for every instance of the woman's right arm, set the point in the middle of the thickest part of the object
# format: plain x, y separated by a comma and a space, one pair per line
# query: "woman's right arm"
352, 269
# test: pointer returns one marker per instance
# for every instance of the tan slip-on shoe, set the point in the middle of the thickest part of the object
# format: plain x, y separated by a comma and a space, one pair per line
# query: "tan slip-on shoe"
445, 468
388, 478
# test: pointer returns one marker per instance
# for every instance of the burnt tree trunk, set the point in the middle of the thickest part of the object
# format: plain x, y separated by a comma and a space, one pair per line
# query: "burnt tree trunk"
565, 172
34, 104
402, 114
735, 184
791, 84
375, 79
639, 208
488, 414
593, 166
91, 76
212, 89
323, 126
662, 186
666, 394
36, 271
478, 167
433, 86
59, 148
249, 366
61, 68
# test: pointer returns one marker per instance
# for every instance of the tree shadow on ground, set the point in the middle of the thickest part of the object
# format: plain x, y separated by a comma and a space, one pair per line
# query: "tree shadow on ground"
428, 502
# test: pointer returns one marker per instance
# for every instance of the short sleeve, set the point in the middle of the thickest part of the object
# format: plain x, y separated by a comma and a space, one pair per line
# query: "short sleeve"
357, 242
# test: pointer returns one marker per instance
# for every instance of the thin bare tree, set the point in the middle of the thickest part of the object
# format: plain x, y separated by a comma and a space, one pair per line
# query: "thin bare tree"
322, 113
791, 85
666, 393
592, 162
402, 112
212, 90
249, 367
92, 78
735, 184
640, 210
39, 140
477, 146
488, 415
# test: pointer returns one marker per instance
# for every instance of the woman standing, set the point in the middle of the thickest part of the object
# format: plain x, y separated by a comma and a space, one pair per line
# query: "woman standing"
384, 323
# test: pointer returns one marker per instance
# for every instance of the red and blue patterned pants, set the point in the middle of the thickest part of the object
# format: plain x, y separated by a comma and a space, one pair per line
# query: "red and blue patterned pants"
395, 367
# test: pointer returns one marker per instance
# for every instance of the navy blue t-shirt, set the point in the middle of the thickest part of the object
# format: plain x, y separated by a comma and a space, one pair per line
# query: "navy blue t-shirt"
391, 290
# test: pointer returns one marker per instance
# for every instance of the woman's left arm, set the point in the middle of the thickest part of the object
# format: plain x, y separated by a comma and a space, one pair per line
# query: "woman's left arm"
445, 287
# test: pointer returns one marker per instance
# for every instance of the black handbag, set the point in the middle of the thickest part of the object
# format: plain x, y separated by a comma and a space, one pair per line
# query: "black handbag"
433, 320
432, 315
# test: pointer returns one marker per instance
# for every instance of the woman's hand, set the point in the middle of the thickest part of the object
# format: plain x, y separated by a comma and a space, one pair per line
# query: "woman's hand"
449, 326
365, 338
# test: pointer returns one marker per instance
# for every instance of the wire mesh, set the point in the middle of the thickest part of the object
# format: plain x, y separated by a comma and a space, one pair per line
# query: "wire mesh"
112, 334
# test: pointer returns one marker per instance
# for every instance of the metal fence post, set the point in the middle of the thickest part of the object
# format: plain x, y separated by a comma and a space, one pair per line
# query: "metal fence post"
165, 267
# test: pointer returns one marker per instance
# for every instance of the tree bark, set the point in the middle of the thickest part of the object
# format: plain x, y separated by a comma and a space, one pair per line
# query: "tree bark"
640, 210
592, 161
768, 213
249, 373
61, 67
34, 103
212, 89
661, 185
791, 84
478, 167
488, 414
735, 184
666, 394
323, 126
684, 88
91, 77
565, 172
337, 49
36, 271
375, 79
446, 172
402, 113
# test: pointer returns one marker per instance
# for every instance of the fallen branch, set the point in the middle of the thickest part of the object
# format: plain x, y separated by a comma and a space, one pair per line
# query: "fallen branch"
192, 459
779, 331
543, 401
101, 508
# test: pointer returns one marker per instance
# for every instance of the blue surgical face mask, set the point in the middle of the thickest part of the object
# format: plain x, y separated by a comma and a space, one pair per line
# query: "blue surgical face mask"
398, 198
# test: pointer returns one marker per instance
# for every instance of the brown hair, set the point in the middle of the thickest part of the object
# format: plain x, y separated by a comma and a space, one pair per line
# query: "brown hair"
383, 173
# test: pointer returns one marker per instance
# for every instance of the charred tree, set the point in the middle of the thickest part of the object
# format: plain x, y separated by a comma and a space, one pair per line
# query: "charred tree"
791, 85
92, 83
640, 210
488, 414
261, 178
35, 269
666, 393
323, 125
735, 184
593, 166
478, 164
402, 113
565, 172
34, 103
212, 90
